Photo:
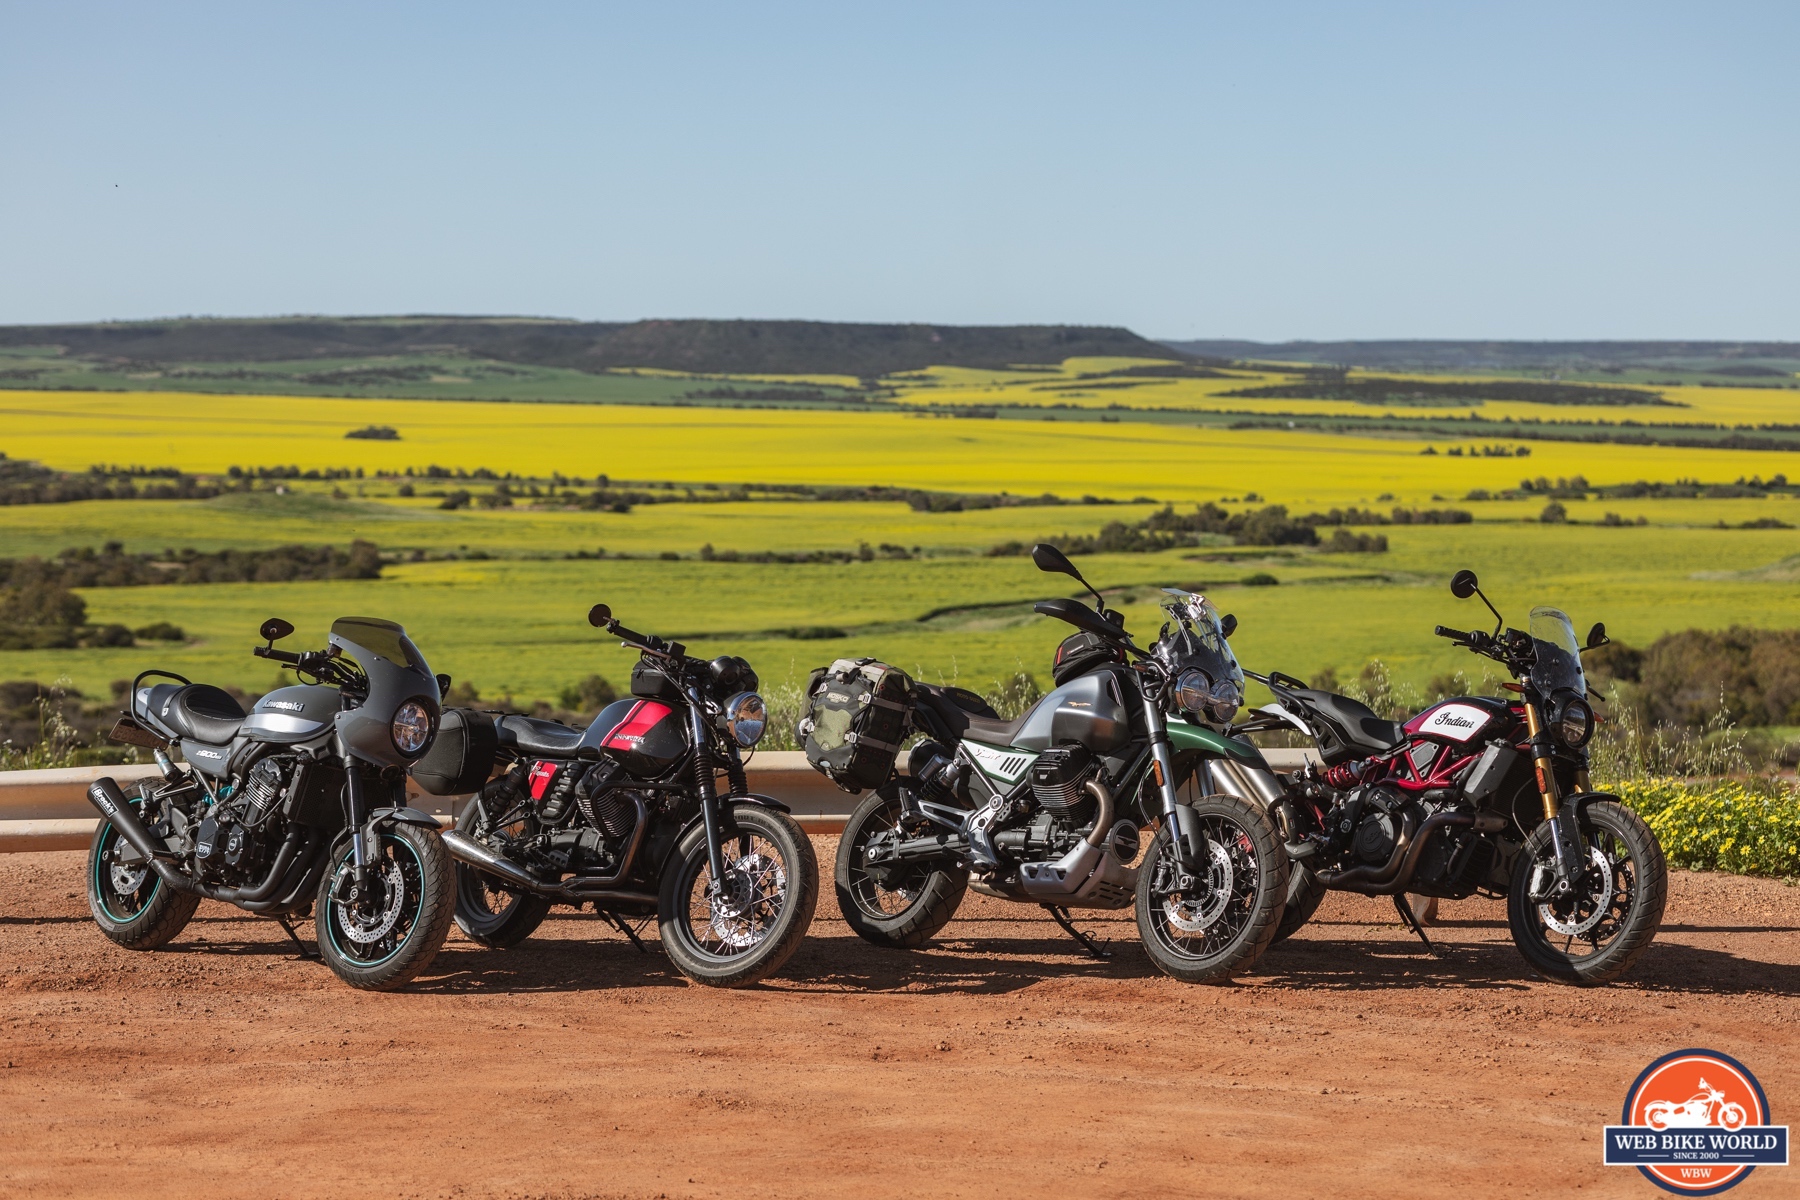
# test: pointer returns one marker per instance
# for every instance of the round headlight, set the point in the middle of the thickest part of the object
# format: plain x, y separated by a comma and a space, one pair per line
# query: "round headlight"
1574, 724
1225, 699
411, 729
746, 716
1193, 692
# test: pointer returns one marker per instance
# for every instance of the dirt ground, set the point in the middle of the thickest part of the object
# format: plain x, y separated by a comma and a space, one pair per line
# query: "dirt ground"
1000, 1062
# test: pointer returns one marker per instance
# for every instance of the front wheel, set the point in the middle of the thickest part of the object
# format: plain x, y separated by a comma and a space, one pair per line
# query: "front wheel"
900, 905
1215, 924
746, 929
381, 940
1594, 935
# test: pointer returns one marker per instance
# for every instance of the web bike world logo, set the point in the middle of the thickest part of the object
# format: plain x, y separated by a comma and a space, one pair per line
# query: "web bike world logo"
1697, 1123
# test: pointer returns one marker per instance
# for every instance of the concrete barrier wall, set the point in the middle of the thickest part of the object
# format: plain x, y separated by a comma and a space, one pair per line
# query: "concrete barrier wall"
48, 810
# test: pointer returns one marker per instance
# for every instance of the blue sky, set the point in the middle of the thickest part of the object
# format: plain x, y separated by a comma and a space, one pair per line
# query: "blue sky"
1266, 171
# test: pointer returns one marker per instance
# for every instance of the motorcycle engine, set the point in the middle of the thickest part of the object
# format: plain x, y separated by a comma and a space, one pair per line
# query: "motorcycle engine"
1366, 824
228, 843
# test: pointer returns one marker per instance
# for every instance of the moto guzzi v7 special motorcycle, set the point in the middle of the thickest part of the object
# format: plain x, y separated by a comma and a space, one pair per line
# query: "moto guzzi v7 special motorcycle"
1047, 809
1478, 794
626, 815
298, 805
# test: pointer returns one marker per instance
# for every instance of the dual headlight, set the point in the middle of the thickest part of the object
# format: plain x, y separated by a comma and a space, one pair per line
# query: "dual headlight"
1572, 724
1197, 694
746, 716
412, 727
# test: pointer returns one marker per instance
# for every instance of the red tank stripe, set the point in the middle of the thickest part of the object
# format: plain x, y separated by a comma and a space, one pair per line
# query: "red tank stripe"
640, 720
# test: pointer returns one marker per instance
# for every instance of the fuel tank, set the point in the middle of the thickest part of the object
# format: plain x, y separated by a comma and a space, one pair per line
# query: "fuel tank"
291, 714
1093, 710
647, 736
1463, 720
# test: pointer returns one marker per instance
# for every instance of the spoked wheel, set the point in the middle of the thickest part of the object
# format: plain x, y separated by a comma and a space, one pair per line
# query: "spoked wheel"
130, 903
901, 905
1594, 935
488, 911
744, 930
381, 940
1216, 924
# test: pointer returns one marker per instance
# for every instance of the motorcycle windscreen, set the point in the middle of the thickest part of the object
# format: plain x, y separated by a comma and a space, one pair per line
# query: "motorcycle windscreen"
1558, 666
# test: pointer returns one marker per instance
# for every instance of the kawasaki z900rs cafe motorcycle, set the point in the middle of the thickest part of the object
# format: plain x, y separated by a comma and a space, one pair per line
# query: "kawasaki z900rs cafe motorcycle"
627, 815
297, 806
1478, 794
1047, 809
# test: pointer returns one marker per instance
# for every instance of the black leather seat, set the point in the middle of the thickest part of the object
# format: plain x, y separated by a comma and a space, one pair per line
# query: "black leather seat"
995, 732
945, 712
1360, 727
538, 737
194, 710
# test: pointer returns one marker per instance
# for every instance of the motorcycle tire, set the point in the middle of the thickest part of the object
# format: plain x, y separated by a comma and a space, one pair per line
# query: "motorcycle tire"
1224, 927
1629, 922
488, 913
386, 949
1306, 891
887, 911
774, 880
132, 906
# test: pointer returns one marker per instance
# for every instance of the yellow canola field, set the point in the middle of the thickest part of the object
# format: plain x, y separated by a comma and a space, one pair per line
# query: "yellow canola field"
966, 387
209, 433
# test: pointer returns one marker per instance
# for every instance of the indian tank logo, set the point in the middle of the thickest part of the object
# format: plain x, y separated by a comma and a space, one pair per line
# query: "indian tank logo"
1696, 1123
1459, 722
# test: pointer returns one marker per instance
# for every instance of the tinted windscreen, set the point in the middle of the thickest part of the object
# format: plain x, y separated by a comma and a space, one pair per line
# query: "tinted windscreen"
383, 638
1558, 664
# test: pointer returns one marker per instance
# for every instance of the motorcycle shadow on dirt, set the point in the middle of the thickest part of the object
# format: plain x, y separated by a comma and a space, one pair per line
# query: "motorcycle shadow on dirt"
590, 956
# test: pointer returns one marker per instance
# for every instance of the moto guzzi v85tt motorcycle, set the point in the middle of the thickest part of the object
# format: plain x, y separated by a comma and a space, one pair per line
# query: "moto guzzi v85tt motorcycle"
1047, 809
298, 805
626, 815
1478, 794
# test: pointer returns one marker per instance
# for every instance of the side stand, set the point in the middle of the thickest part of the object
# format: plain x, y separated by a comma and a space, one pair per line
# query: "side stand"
619, 924
1061, 916
299, 946
1412, 923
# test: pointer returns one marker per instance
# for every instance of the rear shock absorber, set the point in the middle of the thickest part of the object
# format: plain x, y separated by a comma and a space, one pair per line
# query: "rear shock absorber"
1345, 776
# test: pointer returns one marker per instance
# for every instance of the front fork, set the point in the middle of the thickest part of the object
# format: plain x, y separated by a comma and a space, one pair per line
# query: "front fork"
709, 794
1565, 832
1184, 830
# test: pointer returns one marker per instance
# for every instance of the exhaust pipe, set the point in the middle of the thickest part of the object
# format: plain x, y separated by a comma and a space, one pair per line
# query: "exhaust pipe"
1394, 878
1068, 873
466, 849
104, 794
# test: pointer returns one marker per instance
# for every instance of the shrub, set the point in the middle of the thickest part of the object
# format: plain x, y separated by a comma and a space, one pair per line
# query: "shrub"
1261, 579
589, 696
162, 631
455, 500
1746, 827
1554, 514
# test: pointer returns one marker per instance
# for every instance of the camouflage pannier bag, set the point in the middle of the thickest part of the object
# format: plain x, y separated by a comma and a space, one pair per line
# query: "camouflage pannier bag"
855, 718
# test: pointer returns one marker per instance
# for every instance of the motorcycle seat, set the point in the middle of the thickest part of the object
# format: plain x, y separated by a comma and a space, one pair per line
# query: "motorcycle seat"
952, 708
192, 710
993, 731
1360, 727
532, 736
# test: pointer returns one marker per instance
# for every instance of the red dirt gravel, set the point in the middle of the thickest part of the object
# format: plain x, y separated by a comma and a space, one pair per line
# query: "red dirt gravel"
1000, 1062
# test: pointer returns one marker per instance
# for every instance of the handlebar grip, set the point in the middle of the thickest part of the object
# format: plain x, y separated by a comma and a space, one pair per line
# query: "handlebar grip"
1455, 635
631, 635
285, 656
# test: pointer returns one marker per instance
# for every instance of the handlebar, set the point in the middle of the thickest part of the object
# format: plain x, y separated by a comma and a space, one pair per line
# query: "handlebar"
284, 656
1455, 635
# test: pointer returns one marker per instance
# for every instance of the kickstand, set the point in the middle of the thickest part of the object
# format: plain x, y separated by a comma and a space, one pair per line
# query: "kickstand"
1412, 923
618, 923
1061, 916
299, 946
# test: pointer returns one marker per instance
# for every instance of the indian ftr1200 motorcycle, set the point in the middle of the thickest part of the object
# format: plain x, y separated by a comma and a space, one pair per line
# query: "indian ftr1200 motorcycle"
626, 815
1478, 794
1047, 809
300, 803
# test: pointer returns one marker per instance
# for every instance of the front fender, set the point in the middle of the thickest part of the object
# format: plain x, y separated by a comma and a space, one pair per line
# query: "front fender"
1578, 803
387, 818
727, 827
1185, 736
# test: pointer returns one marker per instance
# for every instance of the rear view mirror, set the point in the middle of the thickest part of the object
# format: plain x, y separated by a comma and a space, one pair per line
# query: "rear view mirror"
1228, 624
1049, 558
274, 629
1463, 584
599, 615
1597, 636
443, 682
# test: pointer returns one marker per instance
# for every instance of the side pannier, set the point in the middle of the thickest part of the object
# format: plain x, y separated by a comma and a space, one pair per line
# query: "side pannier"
856, 711
461, 757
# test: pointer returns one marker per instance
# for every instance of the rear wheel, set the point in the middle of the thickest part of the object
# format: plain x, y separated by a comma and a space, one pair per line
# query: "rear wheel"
745, 930
382, 940
1207, 928
1306, 891
130, 903
899, 906
1594, 935
490, 912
